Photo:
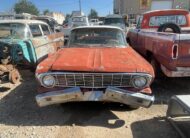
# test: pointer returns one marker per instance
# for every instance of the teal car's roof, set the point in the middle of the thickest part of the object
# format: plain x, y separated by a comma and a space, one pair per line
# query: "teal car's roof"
23, 21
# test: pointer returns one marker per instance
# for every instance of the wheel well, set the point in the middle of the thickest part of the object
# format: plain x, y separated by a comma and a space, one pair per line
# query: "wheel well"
149, 55
128, 41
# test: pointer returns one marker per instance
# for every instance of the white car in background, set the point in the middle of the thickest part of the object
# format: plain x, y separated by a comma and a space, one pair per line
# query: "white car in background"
95, 22
74, 22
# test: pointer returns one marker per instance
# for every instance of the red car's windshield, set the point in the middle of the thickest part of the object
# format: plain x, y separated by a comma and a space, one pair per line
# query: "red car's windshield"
97, 36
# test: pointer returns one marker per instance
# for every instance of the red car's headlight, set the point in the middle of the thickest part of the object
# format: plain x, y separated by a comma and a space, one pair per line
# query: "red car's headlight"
48, 81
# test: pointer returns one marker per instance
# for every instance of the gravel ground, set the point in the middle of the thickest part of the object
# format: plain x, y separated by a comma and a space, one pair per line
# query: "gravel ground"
20, 117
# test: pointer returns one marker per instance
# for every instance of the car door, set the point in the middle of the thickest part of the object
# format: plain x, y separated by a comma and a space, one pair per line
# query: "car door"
135, 34
44, 41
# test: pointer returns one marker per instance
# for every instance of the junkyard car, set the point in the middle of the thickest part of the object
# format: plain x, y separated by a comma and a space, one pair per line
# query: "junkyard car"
116, 20
97, 65
74, 21
163, 38
25, 43
51, 22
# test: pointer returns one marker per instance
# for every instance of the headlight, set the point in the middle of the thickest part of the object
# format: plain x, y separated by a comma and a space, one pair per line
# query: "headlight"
139, 81
48, 81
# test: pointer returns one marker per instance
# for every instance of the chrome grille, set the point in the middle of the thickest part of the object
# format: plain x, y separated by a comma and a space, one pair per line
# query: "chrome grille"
93, 80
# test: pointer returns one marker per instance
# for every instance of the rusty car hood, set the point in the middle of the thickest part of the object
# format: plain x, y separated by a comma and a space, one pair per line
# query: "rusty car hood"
100, 60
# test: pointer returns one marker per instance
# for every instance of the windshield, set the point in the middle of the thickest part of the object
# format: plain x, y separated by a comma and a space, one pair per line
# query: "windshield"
159, 20
13, 30
109, 21
107, 37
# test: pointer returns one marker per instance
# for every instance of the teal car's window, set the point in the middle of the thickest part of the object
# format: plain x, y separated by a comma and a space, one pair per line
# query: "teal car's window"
106, 37
13, 30
45, 29
35, 30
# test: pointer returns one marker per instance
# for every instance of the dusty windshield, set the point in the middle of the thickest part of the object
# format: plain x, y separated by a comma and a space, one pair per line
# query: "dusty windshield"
106, 37
13, 30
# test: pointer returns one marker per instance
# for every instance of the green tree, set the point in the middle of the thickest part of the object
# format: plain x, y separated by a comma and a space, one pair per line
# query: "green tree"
25, 6
93, 14
45, 12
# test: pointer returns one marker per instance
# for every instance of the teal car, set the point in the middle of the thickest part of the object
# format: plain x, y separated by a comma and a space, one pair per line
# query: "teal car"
24, 44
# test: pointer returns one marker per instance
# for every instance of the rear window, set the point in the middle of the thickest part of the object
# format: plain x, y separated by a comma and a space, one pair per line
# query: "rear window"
35, 30
159, 20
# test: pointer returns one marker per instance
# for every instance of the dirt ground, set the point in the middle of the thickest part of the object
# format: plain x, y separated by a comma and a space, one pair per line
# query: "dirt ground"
20, 117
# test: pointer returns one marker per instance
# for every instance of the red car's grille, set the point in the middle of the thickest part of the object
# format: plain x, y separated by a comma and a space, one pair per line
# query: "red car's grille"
93, 80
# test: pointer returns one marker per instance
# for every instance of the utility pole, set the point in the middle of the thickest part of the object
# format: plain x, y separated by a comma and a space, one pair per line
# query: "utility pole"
119, 6
80, 6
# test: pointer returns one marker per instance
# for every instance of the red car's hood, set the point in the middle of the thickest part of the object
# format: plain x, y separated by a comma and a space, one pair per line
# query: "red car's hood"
100, 60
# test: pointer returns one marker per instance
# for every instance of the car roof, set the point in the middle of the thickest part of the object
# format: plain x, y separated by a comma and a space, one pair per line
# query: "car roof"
98, 27
114, 16
166, 11
23, 21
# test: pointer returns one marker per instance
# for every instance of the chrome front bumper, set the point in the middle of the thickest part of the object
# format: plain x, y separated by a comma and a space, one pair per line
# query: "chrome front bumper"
111, 94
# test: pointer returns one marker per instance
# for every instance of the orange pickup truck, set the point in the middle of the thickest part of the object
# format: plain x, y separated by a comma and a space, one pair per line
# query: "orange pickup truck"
163, 37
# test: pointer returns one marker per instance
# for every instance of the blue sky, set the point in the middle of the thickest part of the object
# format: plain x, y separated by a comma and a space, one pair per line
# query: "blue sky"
66, 6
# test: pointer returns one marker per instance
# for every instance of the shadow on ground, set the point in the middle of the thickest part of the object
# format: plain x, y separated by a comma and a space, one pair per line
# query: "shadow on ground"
19, 107
165, 88
151, 129
4, 89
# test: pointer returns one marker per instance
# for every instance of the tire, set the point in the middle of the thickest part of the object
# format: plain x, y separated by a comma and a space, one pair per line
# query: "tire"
128, 41
175, 28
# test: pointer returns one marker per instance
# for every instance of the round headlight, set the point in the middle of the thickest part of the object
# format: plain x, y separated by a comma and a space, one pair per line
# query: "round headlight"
139, 82
48, 81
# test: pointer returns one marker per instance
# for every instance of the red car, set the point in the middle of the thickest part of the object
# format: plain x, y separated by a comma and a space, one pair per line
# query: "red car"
162, 37
97, 65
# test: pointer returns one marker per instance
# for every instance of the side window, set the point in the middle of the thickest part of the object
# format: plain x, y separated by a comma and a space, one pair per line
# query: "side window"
45, 29
35, 30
